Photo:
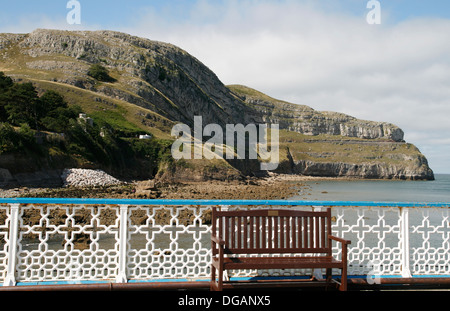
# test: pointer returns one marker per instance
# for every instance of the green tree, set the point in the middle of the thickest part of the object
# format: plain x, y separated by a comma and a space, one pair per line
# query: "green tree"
53, 100
55, 113
5, 84
7, 138
100, 73
12, 140
22, 104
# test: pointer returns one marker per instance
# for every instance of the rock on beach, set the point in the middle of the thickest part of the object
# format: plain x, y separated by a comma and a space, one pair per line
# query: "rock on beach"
87, 178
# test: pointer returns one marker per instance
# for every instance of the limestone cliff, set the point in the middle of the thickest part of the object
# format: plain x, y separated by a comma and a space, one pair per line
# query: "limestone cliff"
158, 84
305, 120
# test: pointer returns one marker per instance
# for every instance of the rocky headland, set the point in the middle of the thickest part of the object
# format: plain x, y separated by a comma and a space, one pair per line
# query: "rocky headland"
156, 85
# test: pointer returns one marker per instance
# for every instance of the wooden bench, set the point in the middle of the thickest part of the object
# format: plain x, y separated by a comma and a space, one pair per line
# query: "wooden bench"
272, 232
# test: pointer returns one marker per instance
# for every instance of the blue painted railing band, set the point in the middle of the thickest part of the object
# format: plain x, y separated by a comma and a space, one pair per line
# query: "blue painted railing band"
81, 201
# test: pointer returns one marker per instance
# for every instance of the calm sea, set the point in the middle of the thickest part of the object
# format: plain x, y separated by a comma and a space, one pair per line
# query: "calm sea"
378, 190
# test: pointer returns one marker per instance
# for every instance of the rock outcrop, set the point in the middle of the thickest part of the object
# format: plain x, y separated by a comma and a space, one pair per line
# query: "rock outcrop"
365, 170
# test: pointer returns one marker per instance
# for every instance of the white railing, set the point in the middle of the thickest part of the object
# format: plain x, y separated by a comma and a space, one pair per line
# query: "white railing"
76, 240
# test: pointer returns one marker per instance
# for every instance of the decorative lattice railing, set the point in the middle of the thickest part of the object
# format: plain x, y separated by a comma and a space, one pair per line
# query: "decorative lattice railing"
76, 240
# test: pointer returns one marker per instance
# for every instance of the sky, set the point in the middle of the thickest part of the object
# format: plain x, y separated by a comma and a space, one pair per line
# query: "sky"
320, 53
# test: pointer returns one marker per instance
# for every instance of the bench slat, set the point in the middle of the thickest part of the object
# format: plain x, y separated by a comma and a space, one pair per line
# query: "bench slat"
263, 225
324, 233
275, 232
277, 251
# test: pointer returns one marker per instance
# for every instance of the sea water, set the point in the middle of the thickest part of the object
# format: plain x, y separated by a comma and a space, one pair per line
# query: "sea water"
437, 190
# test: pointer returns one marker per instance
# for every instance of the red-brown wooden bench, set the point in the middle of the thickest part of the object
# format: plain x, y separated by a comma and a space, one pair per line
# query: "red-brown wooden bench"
272, 232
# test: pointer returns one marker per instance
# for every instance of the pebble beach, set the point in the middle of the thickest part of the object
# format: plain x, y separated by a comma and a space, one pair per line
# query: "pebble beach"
86, 183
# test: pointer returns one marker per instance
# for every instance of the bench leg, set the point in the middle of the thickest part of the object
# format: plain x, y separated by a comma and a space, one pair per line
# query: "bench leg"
213, 286
220, 282
328, 274
216, 285
343, 286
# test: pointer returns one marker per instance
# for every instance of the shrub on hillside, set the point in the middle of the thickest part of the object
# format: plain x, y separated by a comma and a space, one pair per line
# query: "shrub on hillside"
100, 73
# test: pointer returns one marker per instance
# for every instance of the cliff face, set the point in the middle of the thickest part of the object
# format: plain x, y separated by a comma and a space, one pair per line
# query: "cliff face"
365, 170
305, 120
158, 85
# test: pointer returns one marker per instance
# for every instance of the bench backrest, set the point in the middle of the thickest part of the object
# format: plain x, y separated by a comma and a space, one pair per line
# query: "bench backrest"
273, 231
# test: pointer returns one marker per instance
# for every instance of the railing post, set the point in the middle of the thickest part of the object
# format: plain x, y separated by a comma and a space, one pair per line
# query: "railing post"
10, 279
123, 232
404, 236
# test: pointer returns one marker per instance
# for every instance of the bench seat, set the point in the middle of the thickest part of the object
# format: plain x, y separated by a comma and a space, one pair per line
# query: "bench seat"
231, 263
274, 239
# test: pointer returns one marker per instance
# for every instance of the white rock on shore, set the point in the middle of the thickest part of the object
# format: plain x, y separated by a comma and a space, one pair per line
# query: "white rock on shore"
87, 178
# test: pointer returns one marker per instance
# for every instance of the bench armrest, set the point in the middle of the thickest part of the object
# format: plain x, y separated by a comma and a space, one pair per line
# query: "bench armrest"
217, 240
339, 240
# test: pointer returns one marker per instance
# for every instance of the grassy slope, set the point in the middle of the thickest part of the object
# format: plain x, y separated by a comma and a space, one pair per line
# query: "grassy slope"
327, 148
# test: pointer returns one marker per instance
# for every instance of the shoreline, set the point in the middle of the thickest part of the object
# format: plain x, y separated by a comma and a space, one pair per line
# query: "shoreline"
274, 186
265, 188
